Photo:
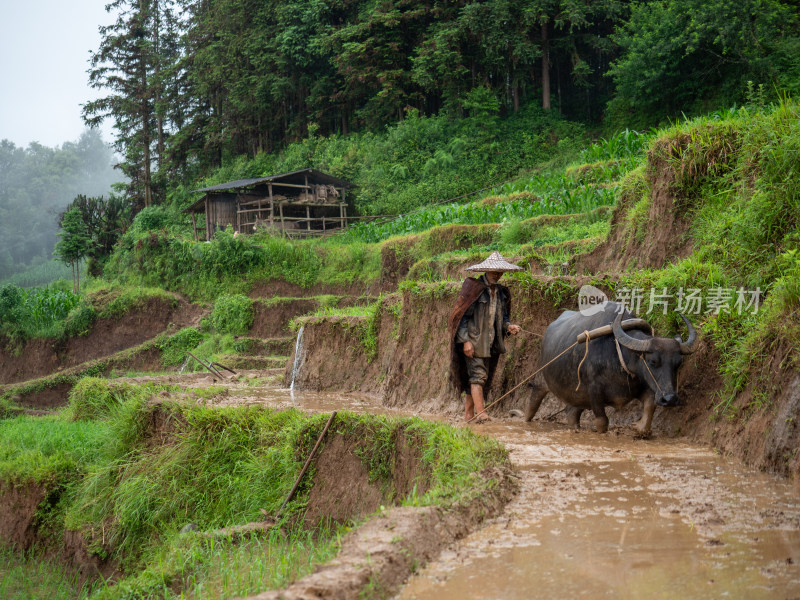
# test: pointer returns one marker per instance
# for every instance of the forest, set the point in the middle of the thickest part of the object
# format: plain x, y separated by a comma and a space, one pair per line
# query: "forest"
193, 84
36, 185
414, 102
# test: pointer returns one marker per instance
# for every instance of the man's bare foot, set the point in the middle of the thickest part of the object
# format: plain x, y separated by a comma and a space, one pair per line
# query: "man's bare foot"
482, 418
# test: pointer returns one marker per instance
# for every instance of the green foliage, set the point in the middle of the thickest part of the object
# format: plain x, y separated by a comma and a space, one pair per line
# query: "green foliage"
555, 194
47, 449
225, 567
689, 55
173, 349
74, 243
105, 220
35, 312
623, 144
205, 270
732, 178
79, 321
233, 314
31, 575
154, 218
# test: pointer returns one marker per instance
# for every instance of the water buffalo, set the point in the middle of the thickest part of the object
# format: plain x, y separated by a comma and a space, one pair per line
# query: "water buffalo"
651, 363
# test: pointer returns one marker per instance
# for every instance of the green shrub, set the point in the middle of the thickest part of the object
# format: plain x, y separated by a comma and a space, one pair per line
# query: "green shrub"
95, 398
233, 314
79, 321
35, 312
173, 350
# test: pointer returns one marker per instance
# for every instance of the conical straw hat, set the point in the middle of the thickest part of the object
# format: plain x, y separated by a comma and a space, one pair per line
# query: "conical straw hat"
495, 262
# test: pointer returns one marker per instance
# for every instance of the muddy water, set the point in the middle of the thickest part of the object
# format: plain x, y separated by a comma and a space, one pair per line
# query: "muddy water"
608, 516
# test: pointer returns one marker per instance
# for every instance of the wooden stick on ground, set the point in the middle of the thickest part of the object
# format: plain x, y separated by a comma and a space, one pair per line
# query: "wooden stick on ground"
216, 364
208, 366
305, 466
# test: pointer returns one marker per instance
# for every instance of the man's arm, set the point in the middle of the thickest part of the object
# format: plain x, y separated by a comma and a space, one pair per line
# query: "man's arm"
462, 335
507, 326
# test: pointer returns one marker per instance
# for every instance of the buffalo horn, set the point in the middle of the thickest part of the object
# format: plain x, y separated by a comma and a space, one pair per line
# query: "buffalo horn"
626, 340
689, 345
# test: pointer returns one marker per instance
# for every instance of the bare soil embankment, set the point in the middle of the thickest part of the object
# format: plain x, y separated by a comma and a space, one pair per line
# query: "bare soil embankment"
41, 357
643, 241
410, 367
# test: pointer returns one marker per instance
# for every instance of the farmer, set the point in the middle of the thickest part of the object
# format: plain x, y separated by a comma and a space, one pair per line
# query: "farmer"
477, 327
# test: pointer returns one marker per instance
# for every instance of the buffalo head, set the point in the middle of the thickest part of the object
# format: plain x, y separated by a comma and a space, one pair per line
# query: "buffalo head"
656, 360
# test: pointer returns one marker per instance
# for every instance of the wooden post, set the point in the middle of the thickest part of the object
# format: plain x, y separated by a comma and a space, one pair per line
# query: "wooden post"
323, 222
194, 228
283, 225
271, 207
308, 217
208, 220
344, 209
238, 217
342, 215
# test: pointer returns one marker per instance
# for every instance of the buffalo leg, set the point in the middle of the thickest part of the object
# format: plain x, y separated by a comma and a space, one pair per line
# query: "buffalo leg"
600, 418
538, 392
574, 417
643, 424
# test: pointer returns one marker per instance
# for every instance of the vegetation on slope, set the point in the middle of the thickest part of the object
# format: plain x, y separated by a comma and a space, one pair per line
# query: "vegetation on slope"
153, 463
736, 180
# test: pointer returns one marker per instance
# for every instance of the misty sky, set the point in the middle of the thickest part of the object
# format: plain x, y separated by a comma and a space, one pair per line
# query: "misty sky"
44, 52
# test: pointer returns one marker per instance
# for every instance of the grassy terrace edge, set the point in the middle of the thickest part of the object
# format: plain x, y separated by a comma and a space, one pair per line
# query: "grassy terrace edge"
128, 466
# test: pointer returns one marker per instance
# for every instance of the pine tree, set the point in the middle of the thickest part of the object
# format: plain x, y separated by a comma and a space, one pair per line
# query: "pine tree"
134, 62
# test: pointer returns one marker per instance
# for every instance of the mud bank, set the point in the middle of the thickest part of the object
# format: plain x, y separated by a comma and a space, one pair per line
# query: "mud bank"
409, 368
271, 317
377, 558
108, 336
280, 288
18, 506
650, 239
52, 391
365, 463
21, 528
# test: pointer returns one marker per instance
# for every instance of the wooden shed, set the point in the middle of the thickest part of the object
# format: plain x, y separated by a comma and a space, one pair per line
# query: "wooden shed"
305, 202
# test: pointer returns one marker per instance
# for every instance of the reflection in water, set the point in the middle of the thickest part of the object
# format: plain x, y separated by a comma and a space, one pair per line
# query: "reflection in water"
608, 516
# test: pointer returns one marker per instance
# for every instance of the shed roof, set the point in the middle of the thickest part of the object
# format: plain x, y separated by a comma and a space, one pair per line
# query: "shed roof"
294, 177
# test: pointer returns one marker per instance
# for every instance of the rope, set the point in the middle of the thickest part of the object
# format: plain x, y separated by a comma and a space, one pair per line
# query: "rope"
521, 383
621, 361
586, 334
651, 375
585, 354
531, 332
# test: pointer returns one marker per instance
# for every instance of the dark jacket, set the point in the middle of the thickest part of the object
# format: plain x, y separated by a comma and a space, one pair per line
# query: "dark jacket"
475, 326
471, 292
